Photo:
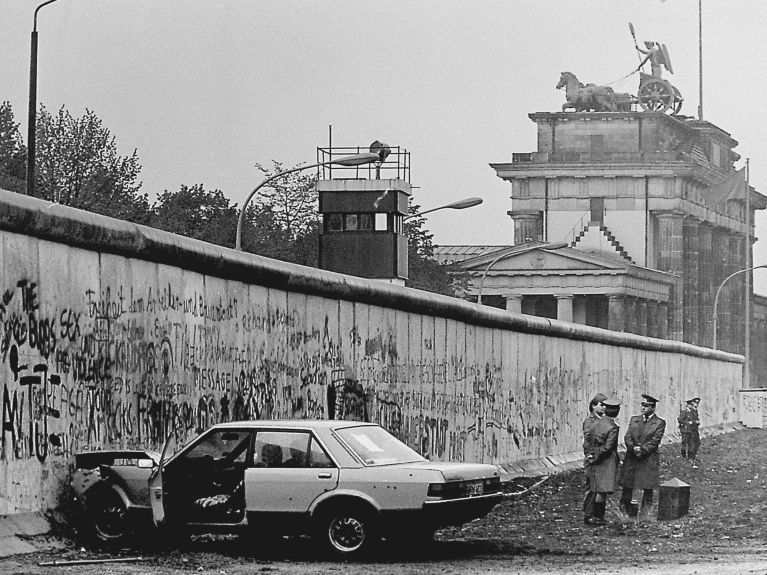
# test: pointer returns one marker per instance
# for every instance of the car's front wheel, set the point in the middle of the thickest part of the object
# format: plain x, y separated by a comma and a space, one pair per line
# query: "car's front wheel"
110, 517
347, 531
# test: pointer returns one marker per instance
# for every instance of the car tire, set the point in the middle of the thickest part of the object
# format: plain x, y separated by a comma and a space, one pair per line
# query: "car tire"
347, 531
109, 516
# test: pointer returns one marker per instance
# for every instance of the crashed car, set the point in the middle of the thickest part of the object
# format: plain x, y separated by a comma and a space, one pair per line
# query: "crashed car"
345, 483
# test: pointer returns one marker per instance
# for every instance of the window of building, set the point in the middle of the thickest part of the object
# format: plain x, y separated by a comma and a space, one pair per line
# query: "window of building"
381, 222
350, 225
597, 209
366, 222
334, 223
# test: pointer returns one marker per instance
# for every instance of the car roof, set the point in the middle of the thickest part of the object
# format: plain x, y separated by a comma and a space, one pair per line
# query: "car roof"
295, 423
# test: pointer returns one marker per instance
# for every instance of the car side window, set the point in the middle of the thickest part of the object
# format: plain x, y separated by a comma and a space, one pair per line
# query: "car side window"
220, 445
317, 455
281, 449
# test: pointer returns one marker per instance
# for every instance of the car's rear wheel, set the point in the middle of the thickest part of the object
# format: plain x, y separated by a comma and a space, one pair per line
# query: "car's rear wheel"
110, 517
347, 531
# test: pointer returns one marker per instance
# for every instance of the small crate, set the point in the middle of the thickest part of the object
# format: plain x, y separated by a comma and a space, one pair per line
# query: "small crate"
673, 499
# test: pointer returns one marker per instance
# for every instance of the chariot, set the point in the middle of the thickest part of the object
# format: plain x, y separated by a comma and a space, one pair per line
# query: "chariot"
657, 95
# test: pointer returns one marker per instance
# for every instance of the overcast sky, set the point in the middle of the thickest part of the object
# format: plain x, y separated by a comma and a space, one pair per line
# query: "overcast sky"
205, 89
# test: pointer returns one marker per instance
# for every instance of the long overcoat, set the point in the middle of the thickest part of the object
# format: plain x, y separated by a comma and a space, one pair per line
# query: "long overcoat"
604, 441
642, 471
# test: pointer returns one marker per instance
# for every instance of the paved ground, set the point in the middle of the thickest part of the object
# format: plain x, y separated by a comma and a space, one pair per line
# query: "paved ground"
541, 532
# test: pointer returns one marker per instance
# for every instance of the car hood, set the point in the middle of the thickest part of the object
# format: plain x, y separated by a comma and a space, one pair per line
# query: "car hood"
456, 471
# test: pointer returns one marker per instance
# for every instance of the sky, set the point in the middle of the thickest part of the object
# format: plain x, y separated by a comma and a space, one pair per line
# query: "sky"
204, 90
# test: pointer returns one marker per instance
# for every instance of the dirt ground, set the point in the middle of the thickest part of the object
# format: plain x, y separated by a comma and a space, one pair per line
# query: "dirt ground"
536, 533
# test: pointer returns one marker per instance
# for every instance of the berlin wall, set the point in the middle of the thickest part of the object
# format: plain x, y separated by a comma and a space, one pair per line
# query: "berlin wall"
114, 335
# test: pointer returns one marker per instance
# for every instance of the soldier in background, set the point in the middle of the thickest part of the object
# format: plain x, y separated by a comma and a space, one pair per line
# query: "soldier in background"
689, 424
596, 409
641, 466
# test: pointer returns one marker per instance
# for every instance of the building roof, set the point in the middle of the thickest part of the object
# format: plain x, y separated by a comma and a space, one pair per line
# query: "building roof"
453, 254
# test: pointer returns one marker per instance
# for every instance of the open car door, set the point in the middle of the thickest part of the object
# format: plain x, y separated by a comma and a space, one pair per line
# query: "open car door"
156, 496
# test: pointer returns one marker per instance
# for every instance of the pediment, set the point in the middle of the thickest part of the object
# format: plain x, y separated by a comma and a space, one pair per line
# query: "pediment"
541, 260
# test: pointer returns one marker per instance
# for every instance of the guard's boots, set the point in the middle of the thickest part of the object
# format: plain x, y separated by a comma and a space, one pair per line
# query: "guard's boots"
599, 512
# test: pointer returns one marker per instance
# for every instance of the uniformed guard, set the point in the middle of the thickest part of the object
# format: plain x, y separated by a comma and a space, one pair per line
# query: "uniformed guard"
596, 409
603, 460
689, 424
641, 466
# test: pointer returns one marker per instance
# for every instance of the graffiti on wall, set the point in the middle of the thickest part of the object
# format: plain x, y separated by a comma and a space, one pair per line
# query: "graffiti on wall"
126, 365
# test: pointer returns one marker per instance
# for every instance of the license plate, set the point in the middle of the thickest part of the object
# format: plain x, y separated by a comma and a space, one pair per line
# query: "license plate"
474, 488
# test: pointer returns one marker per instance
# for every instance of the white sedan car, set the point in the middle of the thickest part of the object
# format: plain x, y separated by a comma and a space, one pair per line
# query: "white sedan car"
346, 483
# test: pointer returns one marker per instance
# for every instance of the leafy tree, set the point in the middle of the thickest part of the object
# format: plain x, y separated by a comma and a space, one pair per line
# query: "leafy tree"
424, 271
195, 212
292, 199
12, 152
287, 208
77, 165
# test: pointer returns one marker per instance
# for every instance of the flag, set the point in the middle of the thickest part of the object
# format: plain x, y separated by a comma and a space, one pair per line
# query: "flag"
733, 187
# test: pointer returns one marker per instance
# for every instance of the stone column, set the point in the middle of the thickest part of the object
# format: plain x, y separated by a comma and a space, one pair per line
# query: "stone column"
707, 284
653, 328
663, 320
527, 226
690, 278
565, 307
733, 293
514, 303
616, 316
630, 307
670, 243
719, 247
642, 317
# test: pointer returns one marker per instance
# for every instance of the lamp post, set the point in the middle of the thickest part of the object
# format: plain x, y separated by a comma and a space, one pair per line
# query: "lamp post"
716, 298
353, 160
459, 205
551, 246
32, 113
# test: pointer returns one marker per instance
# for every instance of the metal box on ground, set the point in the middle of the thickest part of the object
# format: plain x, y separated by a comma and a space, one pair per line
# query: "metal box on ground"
673, 499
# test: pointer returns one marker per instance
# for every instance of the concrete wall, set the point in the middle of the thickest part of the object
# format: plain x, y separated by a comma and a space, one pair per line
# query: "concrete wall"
114, 334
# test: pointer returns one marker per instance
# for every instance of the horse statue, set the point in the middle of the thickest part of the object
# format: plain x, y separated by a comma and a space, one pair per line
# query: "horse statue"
587, 98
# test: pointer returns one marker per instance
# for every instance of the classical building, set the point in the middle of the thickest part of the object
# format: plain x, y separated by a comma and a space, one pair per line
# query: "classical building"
629, 221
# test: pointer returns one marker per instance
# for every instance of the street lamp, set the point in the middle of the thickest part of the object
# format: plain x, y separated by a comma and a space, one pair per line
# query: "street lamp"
32, 113
716, 297
353, 160
551, 246
459, 205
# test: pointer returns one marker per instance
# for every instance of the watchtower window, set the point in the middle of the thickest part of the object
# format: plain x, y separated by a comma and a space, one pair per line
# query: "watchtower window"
334, 223
382, 222
364, 222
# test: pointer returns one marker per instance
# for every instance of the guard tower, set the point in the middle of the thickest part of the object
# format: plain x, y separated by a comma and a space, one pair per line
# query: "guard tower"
362, 214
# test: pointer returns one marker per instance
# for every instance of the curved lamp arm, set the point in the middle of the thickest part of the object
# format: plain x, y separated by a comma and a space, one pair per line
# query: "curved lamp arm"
718, 291
460, 205
353, 160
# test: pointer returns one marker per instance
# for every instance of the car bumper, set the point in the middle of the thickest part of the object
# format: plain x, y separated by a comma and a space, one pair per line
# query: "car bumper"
456, 511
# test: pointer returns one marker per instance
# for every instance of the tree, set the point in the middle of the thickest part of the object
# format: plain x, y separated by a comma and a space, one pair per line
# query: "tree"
12, 152
424, 271
195, 212
292, 198
78, 165
289, 209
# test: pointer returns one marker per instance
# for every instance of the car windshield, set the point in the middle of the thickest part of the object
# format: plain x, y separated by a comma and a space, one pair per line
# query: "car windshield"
376, 446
